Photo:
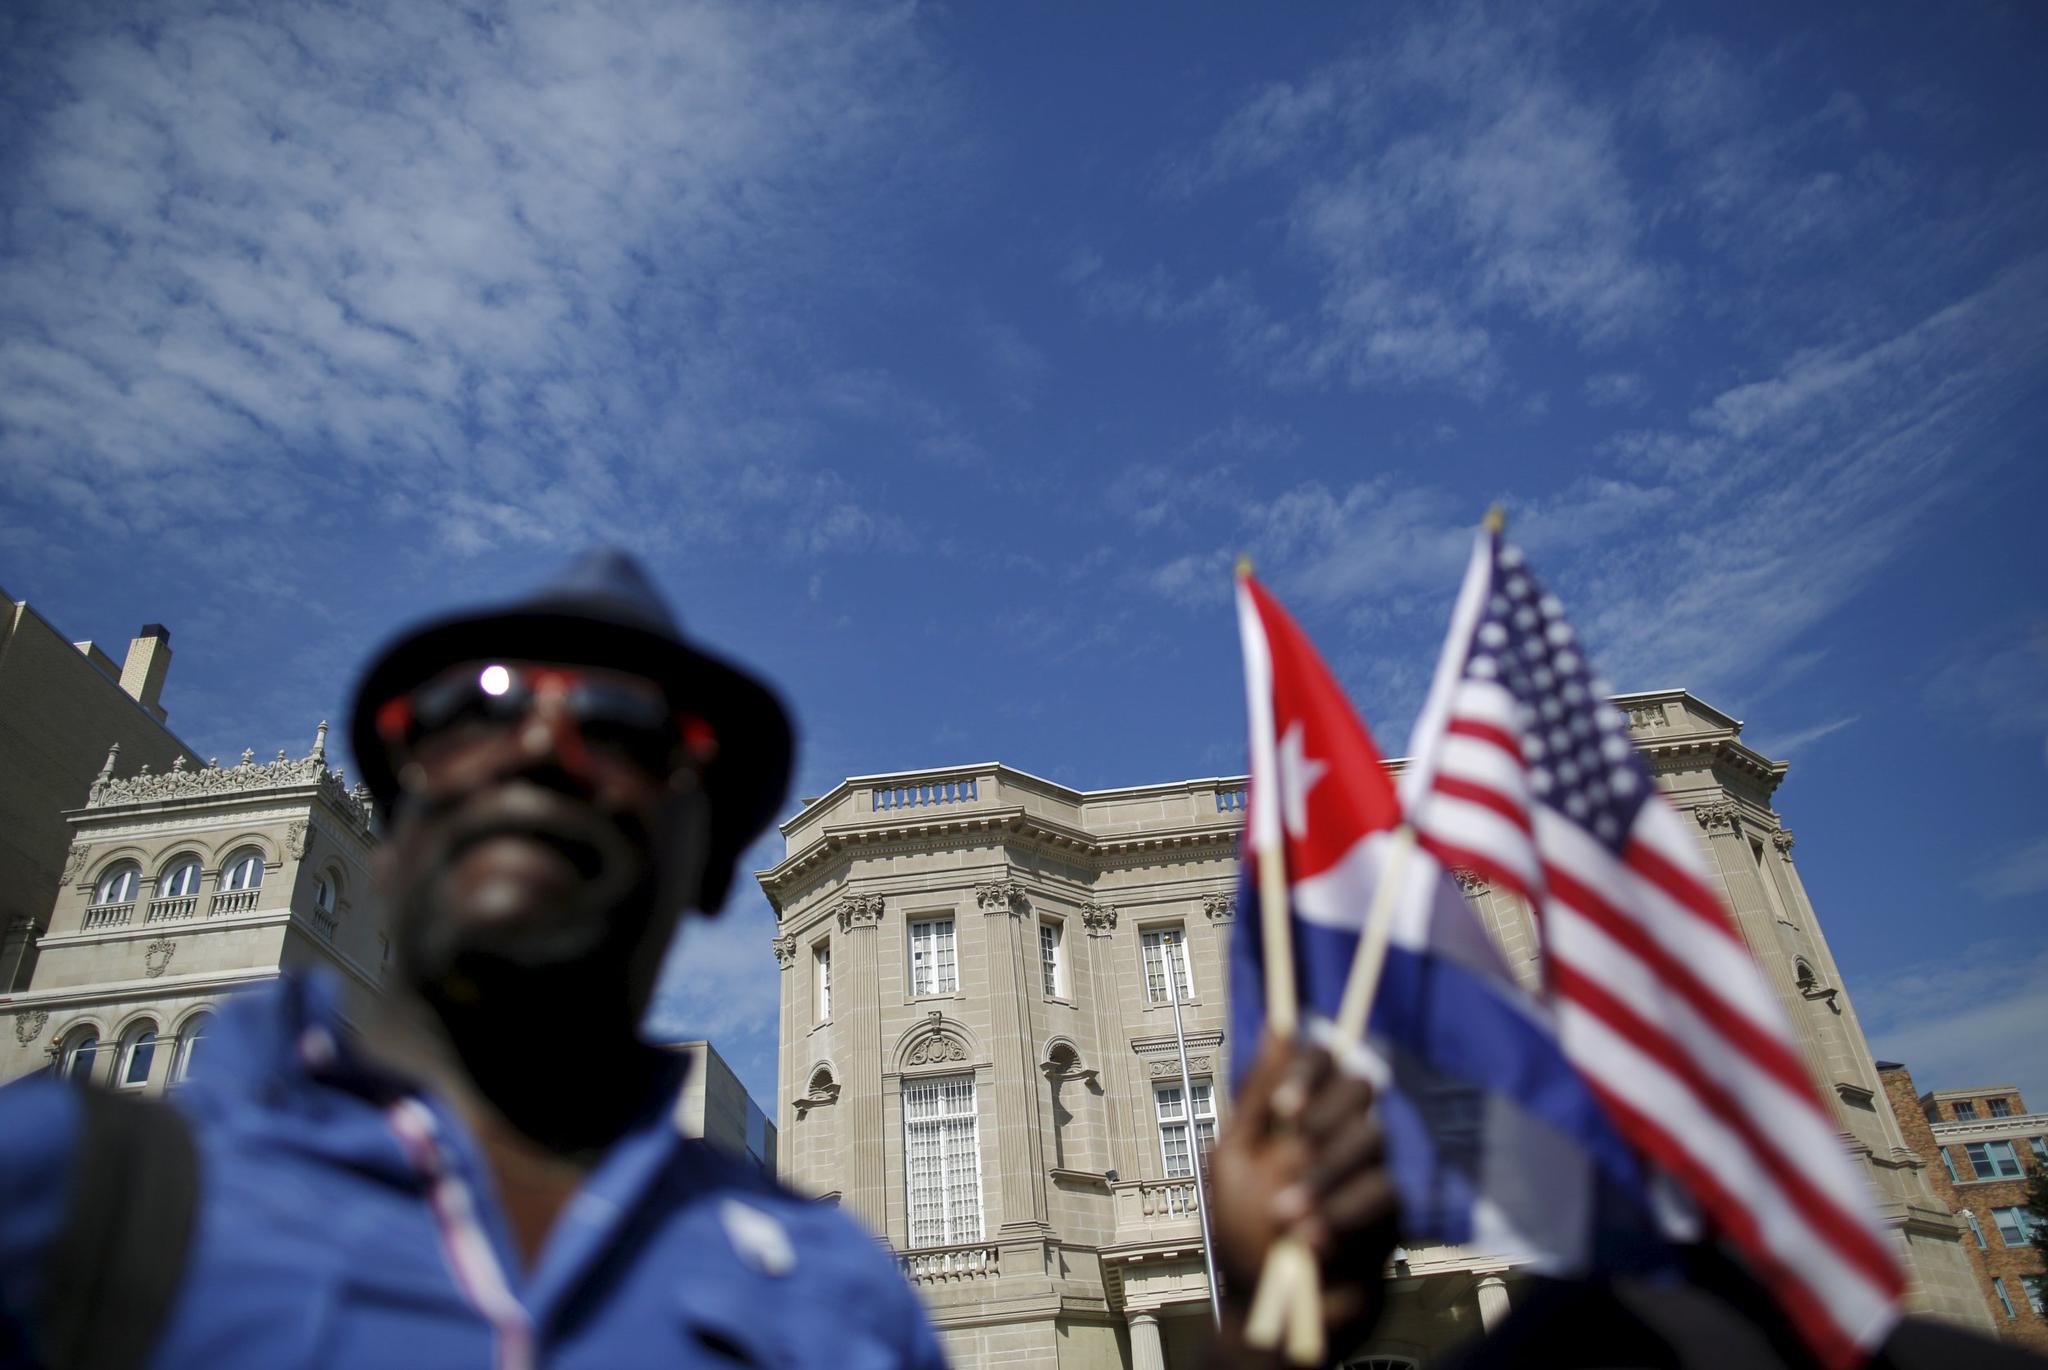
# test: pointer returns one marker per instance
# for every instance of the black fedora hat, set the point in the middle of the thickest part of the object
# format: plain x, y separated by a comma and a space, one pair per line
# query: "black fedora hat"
602, 610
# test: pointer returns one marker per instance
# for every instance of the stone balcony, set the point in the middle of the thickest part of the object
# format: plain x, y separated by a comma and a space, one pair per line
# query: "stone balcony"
964, 1262
1156, 1210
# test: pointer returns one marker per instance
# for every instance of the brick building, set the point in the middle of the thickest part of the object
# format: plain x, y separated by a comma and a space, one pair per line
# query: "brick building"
1980, 1145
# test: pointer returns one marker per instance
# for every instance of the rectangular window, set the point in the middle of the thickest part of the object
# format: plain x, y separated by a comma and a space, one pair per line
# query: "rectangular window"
1173, 1126
2015, 1227
1948, 1163
2036, 1287
2001, 1108
1163, 946
1998, 1288
1966, 1112
1994, 1160
1051, 965
942, 1160
1975, 1230
932, 969
2040, 1148
821, 978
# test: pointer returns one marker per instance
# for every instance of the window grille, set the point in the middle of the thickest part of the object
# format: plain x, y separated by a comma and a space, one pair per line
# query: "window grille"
942, 1160
932, 966
1160, 946
1966, 1112
2001, 1108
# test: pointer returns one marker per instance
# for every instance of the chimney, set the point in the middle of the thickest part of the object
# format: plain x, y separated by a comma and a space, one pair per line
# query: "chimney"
142, 674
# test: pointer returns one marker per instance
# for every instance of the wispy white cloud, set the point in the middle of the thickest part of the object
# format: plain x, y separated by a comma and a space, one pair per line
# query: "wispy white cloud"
517, 277
1976, 1017
1789, 743
2021, 873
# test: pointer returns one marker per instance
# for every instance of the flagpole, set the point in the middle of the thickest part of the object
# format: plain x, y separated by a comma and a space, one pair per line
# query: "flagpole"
1187, 1102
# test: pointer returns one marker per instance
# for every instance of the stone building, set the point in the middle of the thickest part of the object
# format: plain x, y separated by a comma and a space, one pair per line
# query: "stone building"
61, 704
715, 1106
1979, 1146
977, 1052
181, 886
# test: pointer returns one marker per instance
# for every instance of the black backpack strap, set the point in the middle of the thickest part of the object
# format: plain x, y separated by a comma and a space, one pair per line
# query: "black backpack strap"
111, 1276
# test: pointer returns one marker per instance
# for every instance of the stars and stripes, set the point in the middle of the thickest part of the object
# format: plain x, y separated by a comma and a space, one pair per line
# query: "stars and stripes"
1523, 772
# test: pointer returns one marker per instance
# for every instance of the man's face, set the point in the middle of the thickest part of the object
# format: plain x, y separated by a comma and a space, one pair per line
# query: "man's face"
549, 821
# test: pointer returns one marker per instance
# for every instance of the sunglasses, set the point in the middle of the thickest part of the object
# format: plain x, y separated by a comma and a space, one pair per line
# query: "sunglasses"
592, 712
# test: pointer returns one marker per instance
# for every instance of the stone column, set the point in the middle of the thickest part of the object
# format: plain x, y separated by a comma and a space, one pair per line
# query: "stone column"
863, 1149
1493, 1302
1020, 1148
1148, 1352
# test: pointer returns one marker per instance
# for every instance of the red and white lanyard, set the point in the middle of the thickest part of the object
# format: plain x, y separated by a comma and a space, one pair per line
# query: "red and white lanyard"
471, 1258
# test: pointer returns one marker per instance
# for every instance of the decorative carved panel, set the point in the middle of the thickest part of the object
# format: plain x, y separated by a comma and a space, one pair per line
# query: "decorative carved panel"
29, 1026
936, 1049
1782, 839
1219, 908
860, 911
1098, 919
785, 949
1000, 896
1720, 814
295, 839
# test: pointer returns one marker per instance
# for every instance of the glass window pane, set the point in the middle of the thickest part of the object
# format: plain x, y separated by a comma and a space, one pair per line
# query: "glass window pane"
82, 1056
140, 1053
1966, 1112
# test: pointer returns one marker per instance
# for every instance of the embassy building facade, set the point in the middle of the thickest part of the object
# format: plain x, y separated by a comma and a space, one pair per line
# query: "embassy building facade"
978, 1058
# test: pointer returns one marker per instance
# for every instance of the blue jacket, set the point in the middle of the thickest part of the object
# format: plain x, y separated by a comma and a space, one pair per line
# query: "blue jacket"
344, 1221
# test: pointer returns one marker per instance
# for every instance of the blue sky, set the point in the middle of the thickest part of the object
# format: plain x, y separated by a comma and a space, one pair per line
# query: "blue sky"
940, 358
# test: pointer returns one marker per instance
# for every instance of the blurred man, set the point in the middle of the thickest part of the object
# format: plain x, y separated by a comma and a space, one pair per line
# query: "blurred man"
486, 1173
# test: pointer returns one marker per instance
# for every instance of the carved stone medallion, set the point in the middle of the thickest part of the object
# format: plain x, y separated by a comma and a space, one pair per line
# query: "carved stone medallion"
295, 838
75, 862
1220, 908
29, 1026
936, 1049
157, 959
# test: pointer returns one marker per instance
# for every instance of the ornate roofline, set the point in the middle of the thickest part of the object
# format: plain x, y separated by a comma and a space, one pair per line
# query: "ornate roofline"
214, 780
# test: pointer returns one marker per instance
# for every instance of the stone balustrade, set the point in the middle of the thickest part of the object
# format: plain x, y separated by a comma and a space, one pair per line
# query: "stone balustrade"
109, 915
923, 795
949, 1264
232, 901
1154, 1208
172, 910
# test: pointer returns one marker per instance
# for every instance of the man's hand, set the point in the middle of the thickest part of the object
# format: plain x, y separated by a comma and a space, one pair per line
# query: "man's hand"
1302, 1153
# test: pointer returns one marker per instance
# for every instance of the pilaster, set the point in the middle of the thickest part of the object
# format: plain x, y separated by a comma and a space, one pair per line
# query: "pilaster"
1020, 1146
863, 1144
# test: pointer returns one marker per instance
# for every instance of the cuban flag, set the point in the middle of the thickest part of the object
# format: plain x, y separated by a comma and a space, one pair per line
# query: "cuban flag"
1494, 1140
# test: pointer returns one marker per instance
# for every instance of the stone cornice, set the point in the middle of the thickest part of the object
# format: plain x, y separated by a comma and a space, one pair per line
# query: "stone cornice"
1007, 824
214, 781
1991, 1129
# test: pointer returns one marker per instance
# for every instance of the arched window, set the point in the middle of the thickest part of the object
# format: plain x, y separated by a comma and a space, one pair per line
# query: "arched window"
138, 1052
1804, 977
195, 1030
242, 871
323, 893
180, 879
117, 886
79, 1054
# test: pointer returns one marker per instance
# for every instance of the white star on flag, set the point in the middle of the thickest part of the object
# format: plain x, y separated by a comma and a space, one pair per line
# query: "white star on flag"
1298, 775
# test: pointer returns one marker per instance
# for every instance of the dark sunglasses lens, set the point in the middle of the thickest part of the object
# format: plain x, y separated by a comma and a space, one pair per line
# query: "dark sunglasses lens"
461, 702
630, 723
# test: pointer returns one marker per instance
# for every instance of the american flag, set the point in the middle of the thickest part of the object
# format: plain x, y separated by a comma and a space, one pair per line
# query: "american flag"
1524, 773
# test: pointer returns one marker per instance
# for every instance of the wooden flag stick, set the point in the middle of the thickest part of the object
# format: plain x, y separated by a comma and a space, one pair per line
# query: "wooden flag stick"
1286, 1310
1371, 957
